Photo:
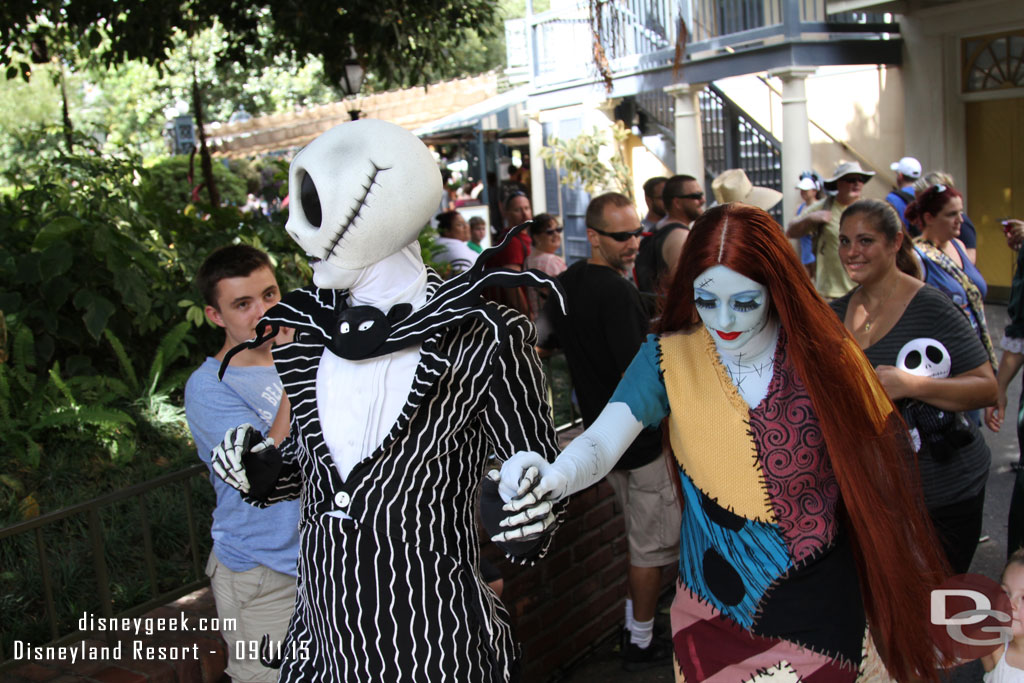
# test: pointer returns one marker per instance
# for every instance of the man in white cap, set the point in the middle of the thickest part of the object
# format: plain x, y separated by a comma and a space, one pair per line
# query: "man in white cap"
812, 188
822, 219
908, 170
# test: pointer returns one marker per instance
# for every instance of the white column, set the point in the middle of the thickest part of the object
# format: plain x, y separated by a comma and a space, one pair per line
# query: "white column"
689, 143
537, 188
796, 134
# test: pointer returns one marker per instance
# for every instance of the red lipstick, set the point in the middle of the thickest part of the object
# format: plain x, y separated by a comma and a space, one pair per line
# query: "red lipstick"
727, 336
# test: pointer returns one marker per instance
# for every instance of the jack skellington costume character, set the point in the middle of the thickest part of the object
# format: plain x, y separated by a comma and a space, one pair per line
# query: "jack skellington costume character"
401, 386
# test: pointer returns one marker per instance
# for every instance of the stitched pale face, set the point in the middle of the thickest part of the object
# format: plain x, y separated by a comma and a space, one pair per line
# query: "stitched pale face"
357, 194
733, 307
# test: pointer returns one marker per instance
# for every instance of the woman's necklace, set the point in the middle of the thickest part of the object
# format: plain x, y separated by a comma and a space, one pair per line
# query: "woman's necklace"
879, 307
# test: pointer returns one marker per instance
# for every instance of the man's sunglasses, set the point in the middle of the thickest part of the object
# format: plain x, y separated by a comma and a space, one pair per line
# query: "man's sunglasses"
619, 236
553, 231
692, 195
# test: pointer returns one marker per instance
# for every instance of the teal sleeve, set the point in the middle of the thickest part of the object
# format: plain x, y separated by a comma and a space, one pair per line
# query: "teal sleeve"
642, 388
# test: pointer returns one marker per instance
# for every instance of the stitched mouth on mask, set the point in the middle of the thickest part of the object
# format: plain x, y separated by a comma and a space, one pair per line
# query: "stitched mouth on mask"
360, 204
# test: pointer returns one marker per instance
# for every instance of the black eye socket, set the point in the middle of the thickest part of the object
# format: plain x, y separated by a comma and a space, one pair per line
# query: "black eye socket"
913, 360
934, 353
310, 201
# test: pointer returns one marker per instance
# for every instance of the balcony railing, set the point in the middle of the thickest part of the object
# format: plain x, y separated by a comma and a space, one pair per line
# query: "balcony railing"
642, 34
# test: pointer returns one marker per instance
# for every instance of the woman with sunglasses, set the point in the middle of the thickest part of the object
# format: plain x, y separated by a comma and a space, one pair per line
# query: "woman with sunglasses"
802, 522
938, 213
547, 238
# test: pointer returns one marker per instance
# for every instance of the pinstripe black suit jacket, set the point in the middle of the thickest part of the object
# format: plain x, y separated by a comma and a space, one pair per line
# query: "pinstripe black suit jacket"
395, 592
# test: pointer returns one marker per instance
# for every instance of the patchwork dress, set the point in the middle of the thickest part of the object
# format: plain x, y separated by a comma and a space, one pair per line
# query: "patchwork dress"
767, 579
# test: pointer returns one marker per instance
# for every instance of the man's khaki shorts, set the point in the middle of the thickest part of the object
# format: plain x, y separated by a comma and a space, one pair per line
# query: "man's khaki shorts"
652, 513
249, 604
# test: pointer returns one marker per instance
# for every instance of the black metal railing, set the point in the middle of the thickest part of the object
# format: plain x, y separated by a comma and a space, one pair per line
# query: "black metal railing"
731, 139
57, 537
734, 140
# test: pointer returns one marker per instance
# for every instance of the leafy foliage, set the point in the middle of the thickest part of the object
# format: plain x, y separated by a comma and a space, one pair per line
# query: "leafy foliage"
593, 160
401, 43
167, 182
78, 257
33, 407
93, 243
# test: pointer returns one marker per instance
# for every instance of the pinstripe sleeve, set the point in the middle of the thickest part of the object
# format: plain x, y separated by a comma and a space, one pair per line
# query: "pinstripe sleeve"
518, 417
298, 376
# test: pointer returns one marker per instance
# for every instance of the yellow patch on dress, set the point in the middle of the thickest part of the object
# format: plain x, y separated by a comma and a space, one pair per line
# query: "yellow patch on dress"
709, 426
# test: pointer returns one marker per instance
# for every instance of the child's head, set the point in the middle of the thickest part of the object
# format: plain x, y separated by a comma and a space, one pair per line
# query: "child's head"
1013, 584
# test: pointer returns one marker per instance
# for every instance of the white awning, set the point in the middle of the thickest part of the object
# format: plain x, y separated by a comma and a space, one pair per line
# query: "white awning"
501, 112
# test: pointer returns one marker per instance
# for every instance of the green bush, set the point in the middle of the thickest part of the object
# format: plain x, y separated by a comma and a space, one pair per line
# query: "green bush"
77, 257
93, 243
167, 182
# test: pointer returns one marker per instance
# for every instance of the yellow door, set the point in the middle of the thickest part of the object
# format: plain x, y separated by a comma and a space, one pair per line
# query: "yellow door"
995, 182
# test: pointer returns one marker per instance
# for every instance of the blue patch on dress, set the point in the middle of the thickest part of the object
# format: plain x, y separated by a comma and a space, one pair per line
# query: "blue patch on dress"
729, 568
642, 387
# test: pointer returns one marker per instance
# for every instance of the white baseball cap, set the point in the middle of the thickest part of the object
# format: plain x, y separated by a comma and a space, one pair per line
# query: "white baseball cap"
908, 166
806, 183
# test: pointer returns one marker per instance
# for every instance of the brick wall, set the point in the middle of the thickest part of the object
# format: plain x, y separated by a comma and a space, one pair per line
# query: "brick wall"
572, 598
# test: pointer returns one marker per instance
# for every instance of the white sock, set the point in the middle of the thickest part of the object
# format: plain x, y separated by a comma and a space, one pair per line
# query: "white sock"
642, 633
629, 615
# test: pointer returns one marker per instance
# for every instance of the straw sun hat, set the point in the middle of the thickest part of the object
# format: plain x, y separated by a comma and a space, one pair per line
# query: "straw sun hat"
734, 186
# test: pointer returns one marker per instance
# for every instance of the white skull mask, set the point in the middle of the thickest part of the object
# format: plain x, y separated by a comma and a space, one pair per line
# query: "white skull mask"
924, 357
359, 193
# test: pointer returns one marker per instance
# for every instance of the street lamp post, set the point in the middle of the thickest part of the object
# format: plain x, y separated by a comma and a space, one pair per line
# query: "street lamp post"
352, 80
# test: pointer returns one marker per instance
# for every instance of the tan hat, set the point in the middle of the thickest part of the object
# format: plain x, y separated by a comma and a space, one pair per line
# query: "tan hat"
850, 168
734, 186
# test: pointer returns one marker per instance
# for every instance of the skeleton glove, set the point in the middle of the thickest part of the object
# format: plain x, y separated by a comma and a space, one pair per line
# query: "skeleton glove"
231, 457
530, 485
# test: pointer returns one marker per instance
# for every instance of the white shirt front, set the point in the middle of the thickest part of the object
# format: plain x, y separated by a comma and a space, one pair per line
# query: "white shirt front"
360, 400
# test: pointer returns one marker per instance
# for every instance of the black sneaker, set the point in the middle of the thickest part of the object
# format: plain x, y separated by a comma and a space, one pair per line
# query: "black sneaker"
636, 658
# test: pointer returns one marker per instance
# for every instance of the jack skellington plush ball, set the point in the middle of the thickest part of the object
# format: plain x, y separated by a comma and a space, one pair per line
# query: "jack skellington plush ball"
940, 431
401, 387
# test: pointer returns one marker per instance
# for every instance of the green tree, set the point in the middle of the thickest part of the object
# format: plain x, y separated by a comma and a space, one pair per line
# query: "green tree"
399, 42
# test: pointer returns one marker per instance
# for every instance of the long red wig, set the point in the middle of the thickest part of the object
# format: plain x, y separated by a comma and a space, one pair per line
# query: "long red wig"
898, 556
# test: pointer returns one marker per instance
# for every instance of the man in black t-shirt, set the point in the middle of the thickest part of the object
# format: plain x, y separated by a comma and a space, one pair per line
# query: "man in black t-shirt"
604, 327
